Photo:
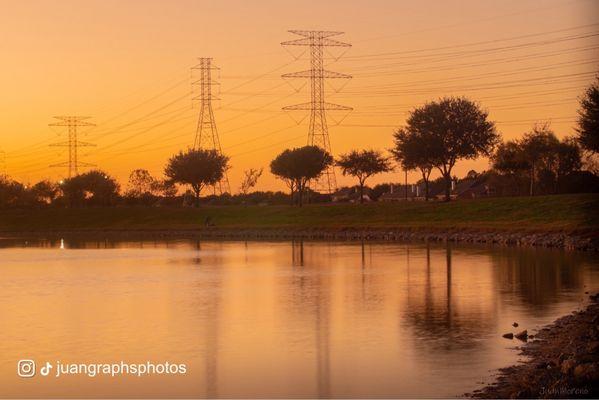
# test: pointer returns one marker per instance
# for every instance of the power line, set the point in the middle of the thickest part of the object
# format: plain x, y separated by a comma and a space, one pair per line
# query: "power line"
463, 53
535, 10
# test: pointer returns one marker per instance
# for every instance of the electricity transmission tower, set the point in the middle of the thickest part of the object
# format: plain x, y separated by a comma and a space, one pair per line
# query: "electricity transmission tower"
206, 133
72, 123
318, 132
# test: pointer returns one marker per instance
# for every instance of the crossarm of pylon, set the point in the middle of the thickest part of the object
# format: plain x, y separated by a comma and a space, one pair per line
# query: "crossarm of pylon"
71, 118
199, 82
321, 42
317, 74
77, 123
71, 121
66, 164
78, 143
325, 106
67, 144
320, 33
211, 97
199, 66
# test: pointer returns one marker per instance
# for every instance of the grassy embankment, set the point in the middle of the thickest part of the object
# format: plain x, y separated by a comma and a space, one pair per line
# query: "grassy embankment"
563, 213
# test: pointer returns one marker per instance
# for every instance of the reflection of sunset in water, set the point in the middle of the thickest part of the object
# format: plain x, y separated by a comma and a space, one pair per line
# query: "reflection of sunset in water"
276, 319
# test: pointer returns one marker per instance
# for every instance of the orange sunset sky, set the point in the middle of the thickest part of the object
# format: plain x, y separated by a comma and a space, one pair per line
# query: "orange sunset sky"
127, 65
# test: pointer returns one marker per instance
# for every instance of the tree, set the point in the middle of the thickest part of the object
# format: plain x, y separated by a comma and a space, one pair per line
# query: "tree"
164, 187
141, 183
250, 179
538, 147
298, 166
413, 150
283, 168
539, 157
455, 128
12, 193
569, 159
509, 158
94, 187
363, 164
588, 120
197, 168
44, 192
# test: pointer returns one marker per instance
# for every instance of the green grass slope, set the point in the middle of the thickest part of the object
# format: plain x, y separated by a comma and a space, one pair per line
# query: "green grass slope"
543, 213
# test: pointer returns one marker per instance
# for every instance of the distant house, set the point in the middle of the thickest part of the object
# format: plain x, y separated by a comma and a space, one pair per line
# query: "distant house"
349, 195
471, 187
398, 193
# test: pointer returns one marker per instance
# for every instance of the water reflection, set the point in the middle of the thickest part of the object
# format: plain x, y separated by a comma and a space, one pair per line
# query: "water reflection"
537, 276
277, 319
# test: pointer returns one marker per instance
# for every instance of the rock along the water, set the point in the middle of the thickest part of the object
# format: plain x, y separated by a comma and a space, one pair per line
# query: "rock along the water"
522, 335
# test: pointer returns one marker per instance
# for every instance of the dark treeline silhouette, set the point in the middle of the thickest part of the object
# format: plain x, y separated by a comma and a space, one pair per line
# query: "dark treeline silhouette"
435, 137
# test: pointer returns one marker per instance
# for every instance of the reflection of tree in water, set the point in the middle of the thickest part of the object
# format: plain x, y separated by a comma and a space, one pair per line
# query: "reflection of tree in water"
537, 276
437, 319
297, 253
369, 298
311, 303
210, 307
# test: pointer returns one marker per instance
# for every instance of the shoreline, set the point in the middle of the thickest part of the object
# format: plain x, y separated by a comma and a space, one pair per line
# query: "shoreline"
584, 240
562, 361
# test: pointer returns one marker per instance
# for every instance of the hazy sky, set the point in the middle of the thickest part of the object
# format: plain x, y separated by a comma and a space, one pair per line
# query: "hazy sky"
127, 65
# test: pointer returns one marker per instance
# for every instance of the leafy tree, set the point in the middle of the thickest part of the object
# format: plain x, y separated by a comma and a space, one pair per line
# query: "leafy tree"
455, 128
73, 191
44, 192
538, 147
197, 168
588, 120
541, 157
141, 183
164, 187
283, 168
298, 166
509, 158
569, 159
12, 193
363, 164
250, 179
414, 150
378, 190
94, 187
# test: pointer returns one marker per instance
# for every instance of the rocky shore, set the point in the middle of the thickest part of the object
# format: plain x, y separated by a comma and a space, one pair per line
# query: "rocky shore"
562, 361
584, 240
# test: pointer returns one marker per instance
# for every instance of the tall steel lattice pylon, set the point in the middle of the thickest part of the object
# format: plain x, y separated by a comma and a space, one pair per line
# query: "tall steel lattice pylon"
206, 132
318, 133
72, 123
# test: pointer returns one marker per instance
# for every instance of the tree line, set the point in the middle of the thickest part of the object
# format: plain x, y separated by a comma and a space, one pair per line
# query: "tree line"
435, 137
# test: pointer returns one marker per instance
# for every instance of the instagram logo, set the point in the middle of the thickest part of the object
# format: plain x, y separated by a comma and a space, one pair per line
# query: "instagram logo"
26, 368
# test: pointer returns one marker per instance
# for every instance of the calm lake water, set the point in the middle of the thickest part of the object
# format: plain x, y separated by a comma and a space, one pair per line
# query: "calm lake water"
281, 319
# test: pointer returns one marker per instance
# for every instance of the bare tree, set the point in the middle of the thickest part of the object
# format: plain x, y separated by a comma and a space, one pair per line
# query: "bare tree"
250, 179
